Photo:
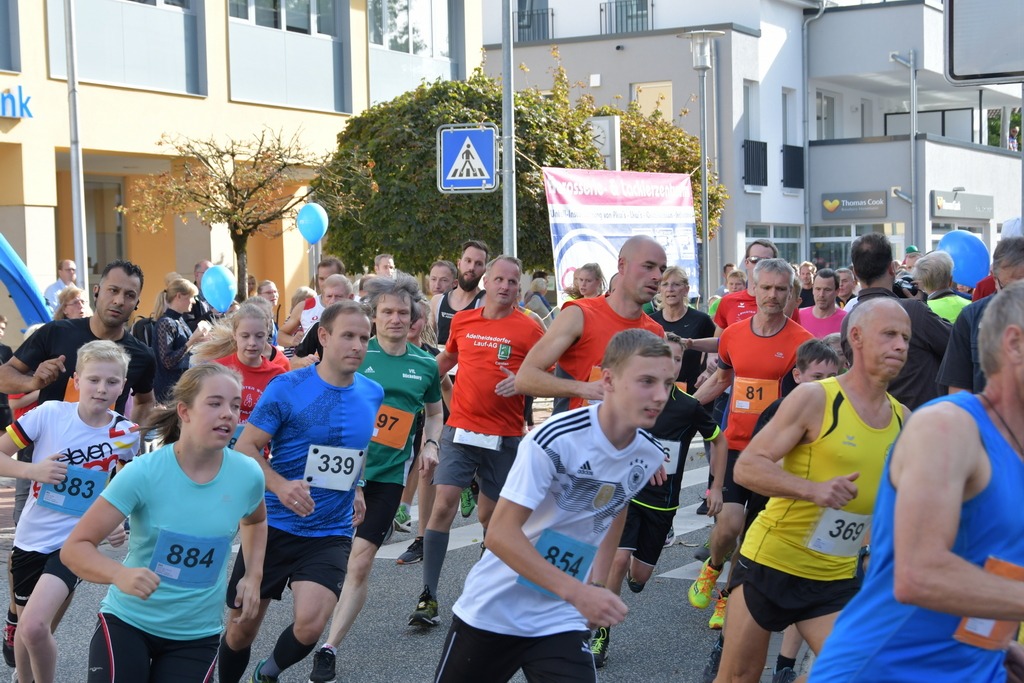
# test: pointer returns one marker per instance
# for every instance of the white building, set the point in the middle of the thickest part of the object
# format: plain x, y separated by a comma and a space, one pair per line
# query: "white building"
845, 119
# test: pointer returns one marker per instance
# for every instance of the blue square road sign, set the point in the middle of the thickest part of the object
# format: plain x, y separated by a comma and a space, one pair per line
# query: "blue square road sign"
467, 155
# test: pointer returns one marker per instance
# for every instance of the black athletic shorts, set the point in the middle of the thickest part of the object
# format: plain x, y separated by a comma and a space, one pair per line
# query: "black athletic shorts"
471, 654
645, 532
320, 559
778, 599
122, 652
381, 505
27, 566
731, 491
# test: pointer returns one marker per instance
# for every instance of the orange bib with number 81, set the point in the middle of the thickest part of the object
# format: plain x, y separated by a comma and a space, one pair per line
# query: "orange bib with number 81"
392, 427
753, 395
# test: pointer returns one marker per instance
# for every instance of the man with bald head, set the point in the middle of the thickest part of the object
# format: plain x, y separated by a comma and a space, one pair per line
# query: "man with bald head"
579, 335
799, 558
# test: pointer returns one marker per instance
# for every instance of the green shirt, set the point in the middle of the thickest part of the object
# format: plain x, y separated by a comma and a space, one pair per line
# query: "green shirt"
410, 381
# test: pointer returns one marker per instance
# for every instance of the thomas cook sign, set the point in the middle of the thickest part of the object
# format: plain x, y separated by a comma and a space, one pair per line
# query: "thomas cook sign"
853, 205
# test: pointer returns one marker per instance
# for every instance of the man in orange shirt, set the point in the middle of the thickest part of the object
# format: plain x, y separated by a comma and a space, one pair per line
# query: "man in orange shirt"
755, 354
485, 426
578, 337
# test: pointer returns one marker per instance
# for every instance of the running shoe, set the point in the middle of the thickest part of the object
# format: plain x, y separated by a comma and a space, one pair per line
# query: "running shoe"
701, 589
467, 503
403, 520
599, 646
670, 537
634, 586
8, 645
258, 677
426, 610
412, 554
711, 667
784, 675
717, 620
323, 667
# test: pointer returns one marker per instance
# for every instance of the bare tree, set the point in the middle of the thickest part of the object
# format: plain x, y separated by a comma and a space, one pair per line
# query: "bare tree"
245, 185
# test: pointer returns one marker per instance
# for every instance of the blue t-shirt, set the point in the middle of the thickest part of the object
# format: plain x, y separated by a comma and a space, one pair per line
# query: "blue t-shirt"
298, 409
158, 496
877, 638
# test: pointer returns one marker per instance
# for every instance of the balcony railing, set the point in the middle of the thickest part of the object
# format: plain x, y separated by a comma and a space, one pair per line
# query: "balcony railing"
537, 24
755, 163
792, 167
627, 16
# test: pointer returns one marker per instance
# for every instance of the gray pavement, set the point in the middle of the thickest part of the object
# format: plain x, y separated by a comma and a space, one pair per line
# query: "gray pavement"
663, 638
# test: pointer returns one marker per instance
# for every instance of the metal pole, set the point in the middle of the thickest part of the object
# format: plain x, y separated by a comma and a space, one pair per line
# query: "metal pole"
77, 186
508, 134
705, 279
914, 222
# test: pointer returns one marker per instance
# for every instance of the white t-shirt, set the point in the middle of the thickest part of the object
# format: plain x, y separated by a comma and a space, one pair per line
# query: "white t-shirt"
576, 482
311, 312
54, 427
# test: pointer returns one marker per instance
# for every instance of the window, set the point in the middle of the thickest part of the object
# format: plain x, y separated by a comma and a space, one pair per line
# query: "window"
785, 237
830, 244
181, 4
652, 97
297, 16
825, 113
413, 26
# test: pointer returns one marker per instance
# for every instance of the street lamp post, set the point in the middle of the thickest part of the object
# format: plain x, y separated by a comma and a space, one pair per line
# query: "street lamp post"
700, 49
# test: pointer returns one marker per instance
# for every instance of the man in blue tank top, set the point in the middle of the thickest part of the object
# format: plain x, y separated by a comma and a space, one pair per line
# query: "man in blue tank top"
947, 517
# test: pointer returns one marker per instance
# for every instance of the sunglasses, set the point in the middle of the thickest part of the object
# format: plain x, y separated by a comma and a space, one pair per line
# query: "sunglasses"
754, 259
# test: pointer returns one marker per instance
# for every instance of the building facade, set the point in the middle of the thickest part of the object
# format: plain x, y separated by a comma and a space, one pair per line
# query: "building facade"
808, 116
195, 69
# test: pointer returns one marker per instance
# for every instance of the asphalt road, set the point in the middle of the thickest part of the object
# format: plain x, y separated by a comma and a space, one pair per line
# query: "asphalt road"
663, 638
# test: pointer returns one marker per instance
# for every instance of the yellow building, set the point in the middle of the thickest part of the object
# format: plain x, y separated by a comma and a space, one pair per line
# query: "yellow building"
196, 69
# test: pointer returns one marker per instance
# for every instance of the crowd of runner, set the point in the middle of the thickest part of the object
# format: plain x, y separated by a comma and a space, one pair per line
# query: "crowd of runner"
886, 541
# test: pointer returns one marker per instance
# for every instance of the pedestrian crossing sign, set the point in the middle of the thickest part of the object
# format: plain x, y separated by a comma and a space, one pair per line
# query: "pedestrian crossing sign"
467, 155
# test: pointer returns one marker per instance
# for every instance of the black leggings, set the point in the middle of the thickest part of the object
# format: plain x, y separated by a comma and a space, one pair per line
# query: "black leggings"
121, 653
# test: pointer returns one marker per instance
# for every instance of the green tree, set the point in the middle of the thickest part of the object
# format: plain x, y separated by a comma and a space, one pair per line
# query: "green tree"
401, 212
995, 126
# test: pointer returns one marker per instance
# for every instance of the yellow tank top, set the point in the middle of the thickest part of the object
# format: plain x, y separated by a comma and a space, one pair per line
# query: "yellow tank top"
797, 536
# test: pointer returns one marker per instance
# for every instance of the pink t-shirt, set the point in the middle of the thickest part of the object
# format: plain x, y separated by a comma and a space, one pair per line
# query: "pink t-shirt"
821, 327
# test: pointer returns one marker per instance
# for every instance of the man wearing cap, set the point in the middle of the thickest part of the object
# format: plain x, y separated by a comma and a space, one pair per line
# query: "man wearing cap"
910, 257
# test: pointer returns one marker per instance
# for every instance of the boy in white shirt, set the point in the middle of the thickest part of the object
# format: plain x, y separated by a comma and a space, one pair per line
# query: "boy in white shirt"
77, 445
527, 604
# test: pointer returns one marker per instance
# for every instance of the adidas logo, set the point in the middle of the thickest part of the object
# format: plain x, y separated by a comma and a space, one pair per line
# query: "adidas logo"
368, 371
585, 469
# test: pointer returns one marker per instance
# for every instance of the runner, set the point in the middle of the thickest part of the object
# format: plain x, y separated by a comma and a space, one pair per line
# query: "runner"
579, 335
239, 344
77, 445
527, 603
335, 288
650, 515
411, 385
755, 355
466, 294
321, 419
948, 507
162, 617
824, 317
675, 315
798, 561
302, 316
443, 275
486, 421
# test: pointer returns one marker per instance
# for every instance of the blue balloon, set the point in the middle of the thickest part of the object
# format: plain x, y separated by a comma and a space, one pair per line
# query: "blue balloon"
312, 222
969, 254
219, 288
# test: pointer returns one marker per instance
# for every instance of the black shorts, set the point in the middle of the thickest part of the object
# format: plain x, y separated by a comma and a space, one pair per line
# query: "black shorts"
134, 655
289, 558
27, 566
731, 491
471, 654
645, 532
778, 599
381, 505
